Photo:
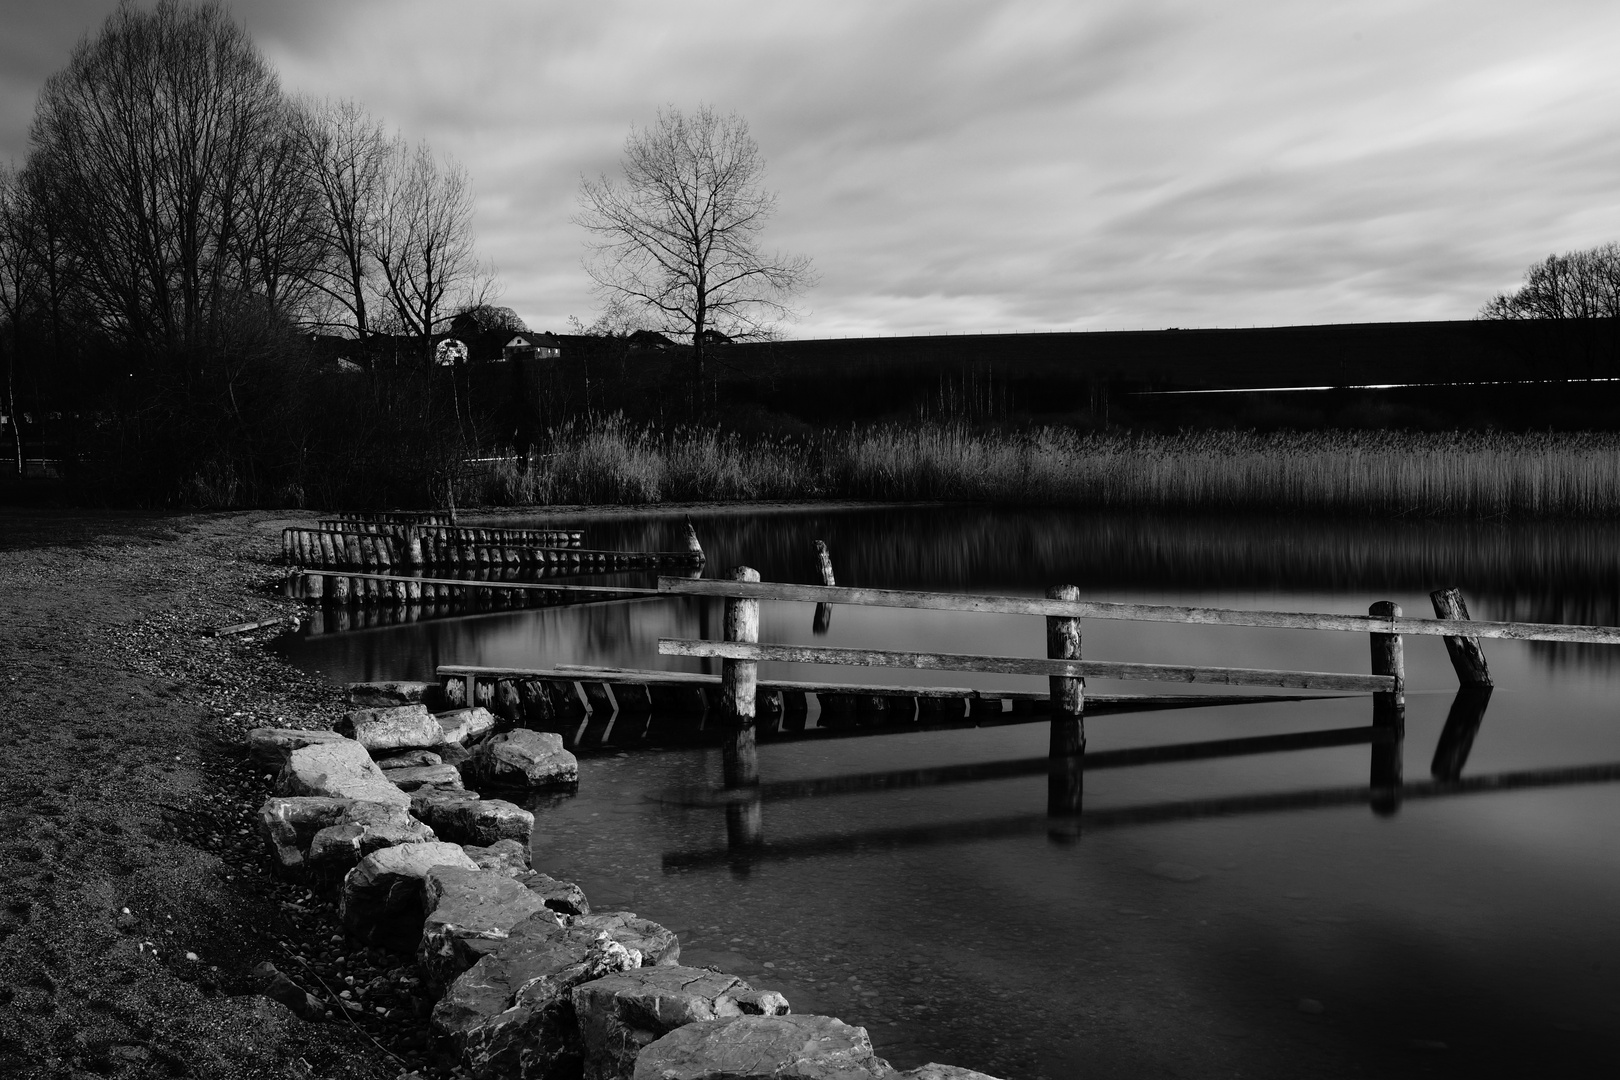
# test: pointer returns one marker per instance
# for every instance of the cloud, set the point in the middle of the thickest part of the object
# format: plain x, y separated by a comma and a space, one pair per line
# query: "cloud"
964, 165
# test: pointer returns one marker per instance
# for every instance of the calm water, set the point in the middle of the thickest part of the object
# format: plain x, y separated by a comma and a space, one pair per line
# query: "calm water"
1209, 933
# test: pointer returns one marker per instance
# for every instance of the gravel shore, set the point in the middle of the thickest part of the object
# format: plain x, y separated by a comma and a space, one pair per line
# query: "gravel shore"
136, 900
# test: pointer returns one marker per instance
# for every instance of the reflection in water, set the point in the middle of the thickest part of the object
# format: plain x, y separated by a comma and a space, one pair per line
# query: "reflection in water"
1462, 725
921, 894
961, 832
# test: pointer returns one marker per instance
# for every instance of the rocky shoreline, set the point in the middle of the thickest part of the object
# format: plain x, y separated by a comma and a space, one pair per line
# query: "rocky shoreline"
153, 956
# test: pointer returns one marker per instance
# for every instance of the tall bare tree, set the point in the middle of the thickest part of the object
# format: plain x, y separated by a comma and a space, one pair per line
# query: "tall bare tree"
678, 236
151, 136
348, 154
422, 241
21, 286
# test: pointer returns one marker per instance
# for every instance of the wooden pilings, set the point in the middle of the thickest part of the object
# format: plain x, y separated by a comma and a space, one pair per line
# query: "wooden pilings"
417, 546
821, 623
1389, 712
1467, 657
1067, 743
738, 684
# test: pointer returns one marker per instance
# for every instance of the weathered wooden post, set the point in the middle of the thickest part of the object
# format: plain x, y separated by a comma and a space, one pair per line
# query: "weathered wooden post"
314, 587
1067, 744
693, 546
738, 682
1466, 655
1389, 712
823, 617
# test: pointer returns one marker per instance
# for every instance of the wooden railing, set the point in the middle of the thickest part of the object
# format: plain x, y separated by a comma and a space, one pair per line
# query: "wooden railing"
740, 653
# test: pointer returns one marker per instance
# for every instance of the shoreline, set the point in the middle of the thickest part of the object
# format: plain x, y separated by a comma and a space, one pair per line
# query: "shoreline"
145, 900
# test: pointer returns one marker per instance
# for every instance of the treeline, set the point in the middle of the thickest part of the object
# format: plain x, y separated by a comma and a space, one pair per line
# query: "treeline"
180, 229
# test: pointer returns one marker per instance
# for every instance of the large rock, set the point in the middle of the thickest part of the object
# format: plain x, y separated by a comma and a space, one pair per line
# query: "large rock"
763, 1048
469, 819
465, 726
503, 856
437, 776
340, 770
656, 944
289, 824
409, 759
523, 758
468, 914
363, 828
622, 1013
511, 1016
566, 898
270, 747
313, 832
401, 727
382, 695
381, 901
935, 1071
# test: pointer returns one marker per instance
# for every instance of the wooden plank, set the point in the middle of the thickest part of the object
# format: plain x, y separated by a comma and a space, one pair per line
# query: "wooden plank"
616, 590
1094, 609
645, 677
1019, 665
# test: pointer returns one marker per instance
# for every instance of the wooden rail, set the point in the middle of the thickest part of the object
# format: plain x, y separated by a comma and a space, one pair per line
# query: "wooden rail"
628, 692
1096, 609
741, 653
1017, 665
344, 586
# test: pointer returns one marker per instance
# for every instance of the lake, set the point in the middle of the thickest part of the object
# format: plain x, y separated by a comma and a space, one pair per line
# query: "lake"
1238, 915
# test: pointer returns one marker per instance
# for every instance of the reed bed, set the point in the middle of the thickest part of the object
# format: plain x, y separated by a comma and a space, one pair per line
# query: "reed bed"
1480, 475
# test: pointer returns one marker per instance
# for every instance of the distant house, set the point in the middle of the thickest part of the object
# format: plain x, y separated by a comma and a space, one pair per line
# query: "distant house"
532, 346
715, 337
649, 339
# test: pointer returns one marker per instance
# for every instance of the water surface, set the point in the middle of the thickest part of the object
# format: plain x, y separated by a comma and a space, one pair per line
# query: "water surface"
1193, 927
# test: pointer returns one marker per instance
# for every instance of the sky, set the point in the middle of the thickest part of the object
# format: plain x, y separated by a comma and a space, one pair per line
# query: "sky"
962, 167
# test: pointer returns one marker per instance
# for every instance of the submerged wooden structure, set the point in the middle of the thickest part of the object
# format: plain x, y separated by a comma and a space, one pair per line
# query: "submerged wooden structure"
384, 561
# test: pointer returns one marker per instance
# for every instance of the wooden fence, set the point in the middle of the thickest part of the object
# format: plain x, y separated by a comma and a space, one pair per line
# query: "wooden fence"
383, 547
1385, 625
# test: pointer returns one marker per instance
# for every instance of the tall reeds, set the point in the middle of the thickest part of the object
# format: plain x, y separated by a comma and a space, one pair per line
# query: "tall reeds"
1359, 473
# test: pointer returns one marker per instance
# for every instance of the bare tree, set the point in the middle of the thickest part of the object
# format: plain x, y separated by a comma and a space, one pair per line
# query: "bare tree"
283, 245
422, 241
151, 136
1576, 285
348, 155
678, 235
21, 285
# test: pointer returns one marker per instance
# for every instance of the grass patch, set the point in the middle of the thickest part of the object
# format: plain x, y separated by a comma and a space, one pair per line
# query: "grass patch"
1482, 475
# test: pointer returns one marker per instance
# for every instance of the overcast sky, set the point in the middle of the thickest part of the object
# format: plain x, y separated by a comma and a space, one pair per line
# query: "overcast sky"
963, 166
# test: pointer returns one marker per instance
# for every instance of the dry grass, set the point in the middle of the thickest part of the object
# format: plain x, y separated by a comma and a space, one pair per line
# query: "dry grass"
1372, 473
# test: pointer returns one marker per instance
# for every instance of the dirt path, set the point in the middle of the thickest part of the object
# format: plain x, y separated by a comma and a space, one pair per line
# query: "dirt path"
121, 787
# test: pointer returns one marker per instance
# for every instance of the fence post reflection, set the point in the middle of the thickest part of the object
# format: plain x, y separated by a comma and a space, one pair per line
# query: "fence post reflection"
1457, 737
1066, 744
1389, 713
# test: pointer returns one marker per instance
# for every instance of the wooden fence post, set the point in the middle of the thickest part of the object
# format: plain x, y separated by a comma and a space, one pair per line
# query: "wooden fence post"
738, 683
823, 617
696, 548
1067, 745
411, 546
1389, 713
1466, 655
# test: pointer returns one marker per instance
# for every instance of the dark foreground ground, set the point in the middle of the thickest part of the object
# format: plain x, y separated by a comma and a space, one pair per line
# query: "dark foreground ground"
121, 788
